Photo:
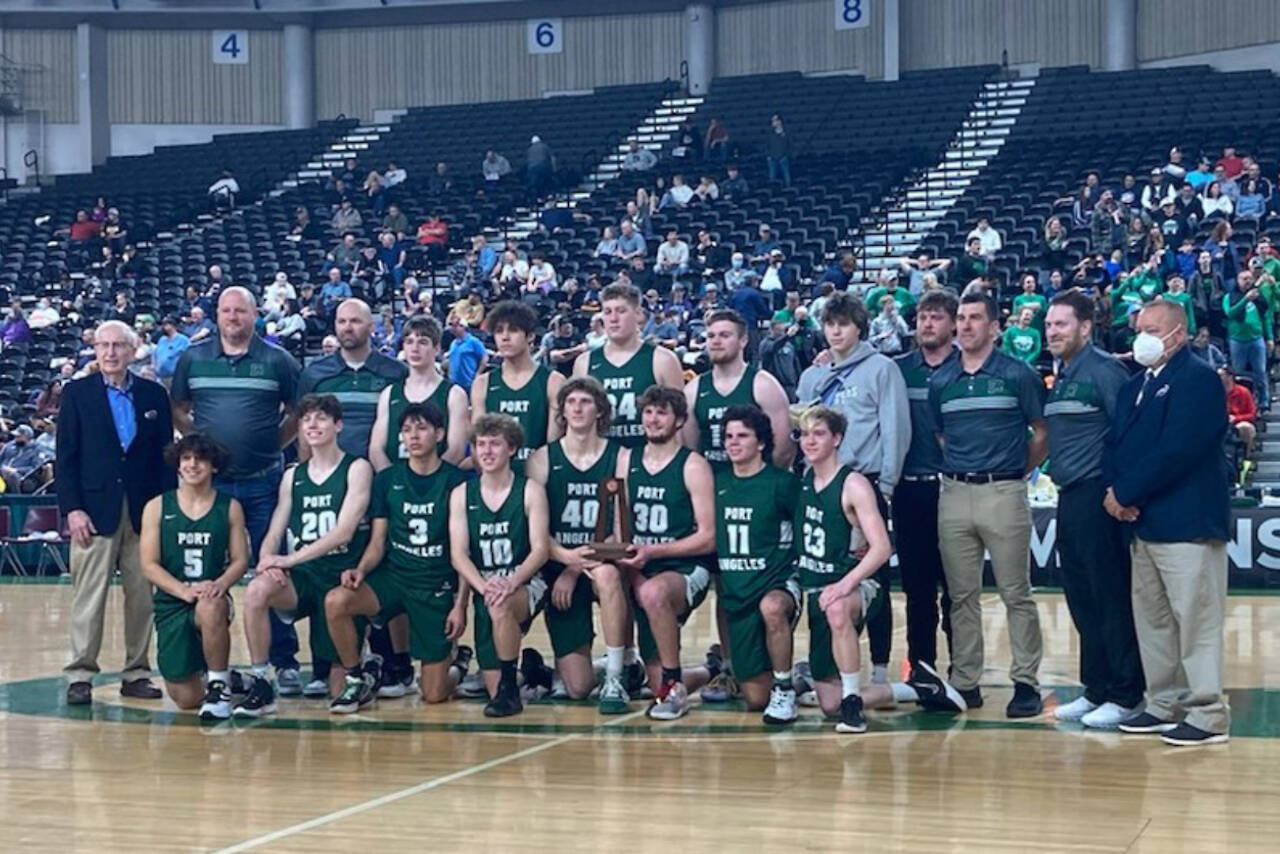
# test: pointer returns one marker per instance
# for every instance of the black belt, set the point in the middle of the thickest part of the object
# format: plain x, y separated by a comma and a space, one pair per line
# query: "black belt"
983, 477
920, 478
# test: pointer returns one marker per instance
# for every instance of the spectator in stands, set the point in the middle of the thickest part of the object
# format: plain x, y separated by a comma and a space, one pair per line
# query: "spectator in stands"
1053, 248
841, 271
1251, 205
338, 193
889, 287
1254, 172
395, 221
1216, 203
346, 218
393, 176
778, 356
375, 196
607, 245
200, 327
688, 145
50, 398
169, 348
778, 151
470, 308
291, 329
716, 141
1231, 165
631, 244
386, 331
393, 256
1187, 206
99, 212
1229, 186
84, 229
777, 278
639, 214
707, 256
1109, 221
888, 330
1203, 348
223, 192
639, 274
1135, 242
989, 240
1021, 339
1128, 194
466, 356
277, 294
707, 189
114, 230
1242, 412
1159, 189
749, 302
43, 315
486, 255
678, 196
638, 159
1249, 333
1030, 298
346, 254
329, 345
122, 309
440, 181
673, 256
348, 172
1174, 168
465, 273
1171, 223
370, 274
542, 276
303, 228
1199, 177
734, 185
825, 290
494, 168
1176, 291
334, 291
738, 274
1226, 261
1082, 209
511, 274
20, 461
433, 235
539, 166
971, 265
763, 247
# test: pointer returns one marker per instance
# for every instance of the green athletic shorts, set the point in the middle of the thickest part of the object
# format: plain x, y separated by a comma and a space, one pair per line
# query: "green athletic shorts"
311, 590
572, 629
821, 662
486, 652
748, 649
179, 648
697, 583
427, 612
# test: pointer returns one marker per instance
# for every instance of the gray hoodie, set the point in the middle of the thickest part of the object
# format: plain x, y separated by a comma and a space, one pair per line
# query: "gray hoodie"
873, 396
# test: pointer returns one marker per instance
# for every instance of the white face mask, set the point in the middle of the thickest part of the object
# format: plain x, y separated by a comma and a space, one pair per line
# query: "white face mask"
1148, 348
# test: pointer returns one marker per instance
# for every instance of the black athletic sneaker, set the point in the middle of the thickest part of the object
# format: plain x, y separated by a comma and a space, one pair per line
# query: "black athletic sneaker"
357, 693
936, 695
1026, 702
462, 660
851, 717
240, 683
1186, 735
372, 666
536, 673
636, 681
260, 701
1146, 723
972, 697
217, 702
504, 704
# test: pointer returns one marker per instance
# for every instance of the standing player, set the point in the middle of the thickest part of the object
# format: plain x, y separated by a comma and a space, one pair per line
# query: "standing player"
671, 498
425, 384
498, 542
321, 507
836, 516
755, 506
572, 469
731, 382
626, 365
194, 547
405, 570
521, 387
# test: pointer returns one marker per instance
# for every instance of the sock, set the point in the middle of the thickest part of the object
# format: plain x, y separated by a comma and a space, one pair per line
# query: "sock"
632, 656
671, 674
223, 676
613, 660
849, 684
508, 674
782, 678
356, 672
880, 674
260, 671
400, 662
904, 693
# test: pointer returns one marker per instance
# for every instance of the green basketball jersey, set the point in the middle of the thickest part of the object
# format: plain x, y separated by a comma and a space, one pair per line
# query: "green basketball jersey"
499, 539
192, 550
527, 404
416, 508
313, 512
754, 523
826, 537
624, 384
573, 497
661, 509
396, 404
709, 408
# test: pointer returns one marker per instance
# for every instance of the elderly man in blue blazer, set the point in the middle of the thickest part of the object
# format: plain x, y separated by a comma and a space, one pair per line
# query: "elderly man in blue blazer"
112, 429
1167, 479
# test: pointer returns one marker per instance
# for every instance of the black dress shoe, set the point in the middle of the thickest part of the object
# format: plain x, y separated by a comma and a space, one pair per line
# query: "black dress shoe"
972, 698
140, 689
1026, 702
79, 694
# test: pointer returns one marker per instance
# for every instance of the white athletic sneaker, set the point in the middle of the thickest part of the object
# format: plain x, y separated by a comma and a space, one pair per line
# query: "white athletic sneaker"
613, 696
782, 707
1075, 710
674, 705
289, 682
217, 702
316, 688
809, 699
1108, 716
473, 686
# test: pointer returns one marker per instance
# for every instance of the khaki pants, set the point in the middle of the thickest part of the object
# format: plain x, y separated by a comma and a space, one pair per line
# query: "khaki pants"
1179, 607
994, 517
92, 568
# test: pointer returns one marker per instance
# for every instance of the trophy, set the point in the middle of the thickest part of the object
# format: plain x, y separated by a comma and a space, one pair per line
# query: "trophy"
612, 496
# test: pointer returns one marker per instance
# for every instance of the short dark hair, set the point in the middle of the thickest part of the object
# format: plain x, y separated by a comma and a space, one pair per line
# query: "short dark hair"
1078, 301
757, 422
513, 315
199, 446
942, 299
666, 398
981, 296
422, 411
844, 306
592, 386
326, 403
730, 316
424, 326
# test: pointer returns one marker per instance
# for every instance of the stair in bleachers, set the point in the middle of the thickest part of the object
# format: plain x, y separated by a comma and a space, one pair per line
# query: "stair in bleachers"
908, 217
351, 144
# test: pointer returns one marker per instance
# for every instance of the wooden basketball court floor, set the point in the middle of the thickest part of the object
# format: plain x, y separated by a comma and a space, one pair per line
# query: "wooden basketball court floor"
138, 776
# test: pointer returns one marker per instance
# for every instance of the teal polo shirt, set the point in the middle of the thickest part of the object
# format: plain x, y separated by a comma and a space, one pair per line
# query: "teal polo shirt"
924, 455
984, 415
357, 389
1079, 412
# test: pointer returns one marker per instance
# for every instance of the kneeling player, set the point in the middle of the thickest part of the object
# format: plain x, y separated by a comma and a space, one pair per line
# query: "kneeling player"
194, 548
671, 498
498, 541
321, 508
836, 517
572, 469
409, 549
755, 506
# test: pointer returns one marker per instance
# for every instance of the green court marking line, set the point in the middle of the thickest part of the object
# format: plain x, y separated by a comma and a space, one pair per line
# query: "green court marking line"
1255, 713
